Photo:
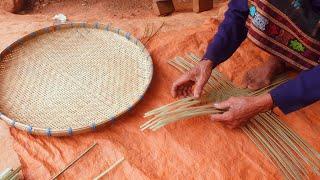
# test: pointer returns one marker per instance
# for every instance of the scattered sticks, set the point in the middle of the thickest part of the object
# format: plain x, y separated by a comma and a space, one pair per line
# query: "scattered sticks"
149, 34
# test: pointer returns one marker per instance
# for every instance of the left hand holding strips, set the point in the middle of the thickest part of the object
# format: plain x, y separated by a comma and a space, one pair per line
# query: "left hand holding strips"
242, 109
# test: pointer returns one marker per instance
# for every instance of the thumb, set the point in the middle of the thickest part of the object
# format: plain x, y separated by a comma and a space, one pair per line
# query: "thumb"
199, 86
223, 105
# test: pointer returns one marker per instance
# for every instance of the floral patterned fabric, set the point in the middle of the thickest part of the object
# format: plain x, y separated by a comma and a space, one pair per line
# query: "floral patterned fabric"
276, 32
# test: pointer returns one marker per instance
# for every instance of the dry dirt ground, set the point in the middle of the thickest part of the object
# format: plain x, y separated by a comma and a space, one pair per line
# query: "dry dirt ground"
190, 149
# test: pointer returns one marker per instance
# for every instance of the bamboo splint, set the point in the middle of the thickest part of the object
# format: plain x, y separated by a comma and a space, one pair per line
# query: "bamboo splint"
10, 174
109, 168
74, 161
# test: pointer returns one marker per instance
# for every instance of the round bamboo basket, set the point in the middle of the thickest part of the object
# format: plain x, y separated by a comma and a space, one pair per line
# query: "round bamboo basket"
71, 78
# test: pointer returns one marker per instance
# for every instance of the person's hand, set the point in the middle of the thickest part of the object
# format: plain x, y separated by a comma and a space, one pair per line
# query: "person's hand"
242, 109
197, 77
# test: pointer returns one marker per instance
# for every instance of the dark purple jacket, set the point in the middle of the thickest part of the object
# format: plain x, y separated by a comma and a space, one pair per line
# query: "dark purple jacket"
291, 96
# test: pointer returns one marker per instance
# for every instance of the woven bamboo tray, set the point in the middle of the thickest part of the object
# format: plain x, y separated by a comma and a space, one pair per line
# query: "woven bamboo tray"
71, 78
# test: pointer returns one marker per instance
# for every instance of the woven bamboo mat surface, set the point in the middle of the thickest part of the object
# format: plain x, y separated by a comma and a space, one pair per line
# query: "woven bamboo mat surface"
71, 78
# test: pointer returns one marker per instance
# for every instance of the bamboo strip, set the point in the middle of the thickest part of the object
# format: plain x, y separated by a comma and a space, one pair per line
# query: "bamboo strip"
263, 149
271, 154
286, 143
289, 167
307, 149
74, 161
183, 116
291, 143
5, 173
291, 160
293, 135
15, 177
150, 113
176, 66
272, 151
185, 63
10, 174
161, 114
154, 34
175, 109
109, 169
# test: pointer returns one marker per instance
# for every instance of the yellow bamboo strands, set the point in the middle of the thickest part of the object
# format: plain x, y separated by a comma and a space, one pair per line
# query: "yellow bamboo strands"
109, 168
291, 162
272, 151
74, 161
290, 143
164, 118
168, 106
313, 160
10, 174
176, 66
294, 135
151, 35
289, 152
264, 150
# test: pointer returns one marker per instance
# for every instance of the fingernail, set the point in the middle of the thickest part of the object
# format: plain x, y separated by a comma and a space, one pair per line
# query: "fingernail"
215, 105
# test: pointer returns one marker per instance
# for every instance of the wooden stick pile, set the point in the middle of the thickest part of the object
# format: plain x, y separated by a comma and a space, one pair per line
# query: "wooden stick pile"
289, 152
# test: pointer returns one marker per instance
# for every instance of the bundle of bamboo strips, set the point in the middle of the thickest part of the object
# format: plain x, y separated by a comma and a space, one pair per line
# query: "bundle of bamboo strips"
289, 152
10, 174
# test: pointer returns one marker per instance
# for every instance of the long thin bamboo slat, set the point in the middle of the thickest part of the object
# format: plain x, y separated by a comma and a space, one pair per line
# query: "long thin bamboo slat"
269, 147
287, 144
109, 168
309, 151
290, 142
264, 150
10, 174
271, 154
291, 162
74, 161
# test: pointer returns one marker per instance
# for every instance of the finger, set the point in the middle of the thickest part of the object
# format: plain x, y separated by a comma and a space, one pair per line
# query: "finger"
181, 92
259, 85
185, 91
190, 91
225, 117
199, 86
242, 123
267, 82
244, 82
177, 92
223, 105
231, 126
253, 86
183, 79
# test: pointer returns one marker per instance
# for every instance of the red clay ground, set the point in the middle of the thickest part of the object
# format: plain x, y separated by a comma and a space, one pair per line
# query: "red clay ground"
190, 149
